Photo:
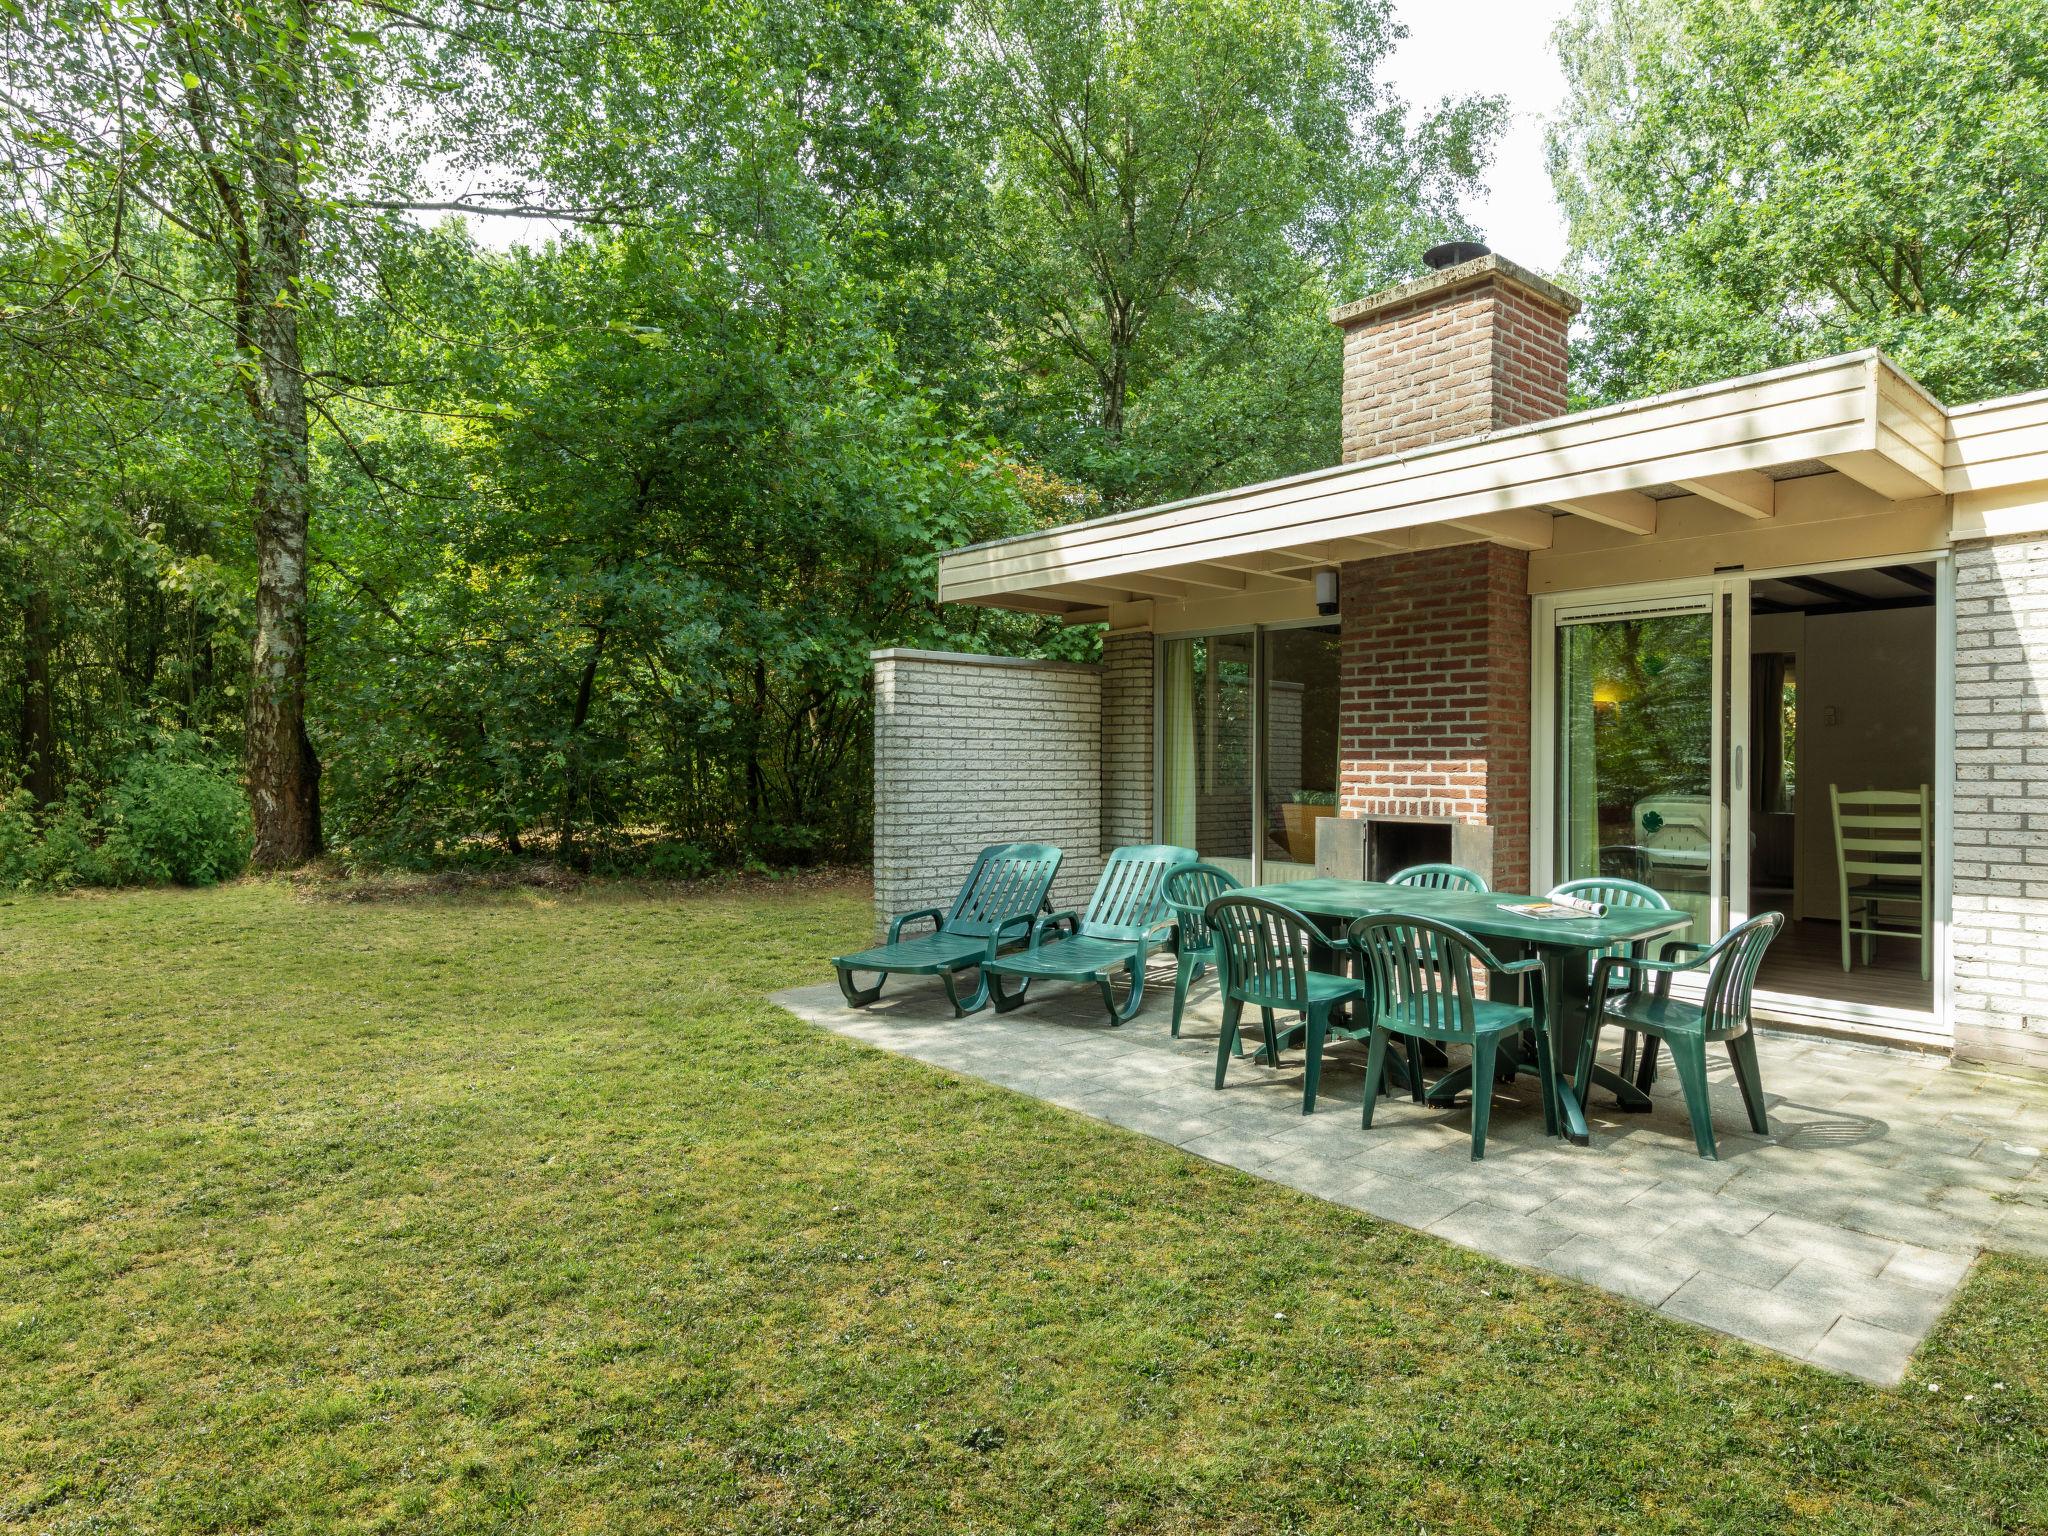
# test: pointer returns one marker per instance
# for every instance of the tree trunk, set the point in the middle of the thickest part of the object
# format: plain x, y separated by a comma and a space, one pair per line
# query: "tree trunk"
284, 773
38, 721
572, 766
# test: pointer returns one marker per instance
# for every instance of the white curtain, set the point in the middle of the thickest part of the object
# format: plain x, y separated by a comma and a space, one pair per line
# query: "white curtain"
1177, 755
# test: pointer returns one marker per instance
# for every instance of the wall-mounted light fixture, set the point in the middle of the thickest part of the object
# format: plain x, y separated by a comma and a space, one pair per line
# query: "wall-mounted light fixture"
1326, 592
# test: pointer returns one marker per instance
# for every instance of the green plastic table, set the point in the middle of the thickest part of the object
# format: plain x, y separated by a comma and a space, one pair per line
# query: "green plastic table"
1562, 944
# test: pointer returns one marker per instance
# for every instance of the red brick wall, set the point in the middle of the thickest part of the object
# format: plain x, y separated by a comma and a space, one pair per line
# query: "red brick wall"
1451, 364
1436, 693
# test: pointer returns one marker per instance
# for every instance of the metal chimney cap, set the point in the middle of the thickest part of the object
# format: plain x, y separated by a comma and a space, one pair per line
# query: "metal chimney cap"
1453, 253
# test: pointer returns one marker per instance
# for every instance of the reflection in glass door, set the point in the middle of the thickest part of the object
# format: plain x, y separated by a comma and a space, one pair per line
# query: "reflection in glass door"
1637, 785
1298, 714
1205, 731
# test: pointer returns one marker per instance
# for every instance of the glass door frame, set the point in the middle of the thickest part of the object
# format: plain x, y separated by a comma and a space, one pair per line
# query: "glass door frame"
1255, 804
1725, 600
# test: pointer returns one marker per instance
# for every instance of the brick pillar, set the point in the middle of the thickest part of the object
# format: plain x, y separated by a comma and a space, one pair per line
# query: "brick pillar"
1127, 710
1998, 936
1436, 685
1436, 643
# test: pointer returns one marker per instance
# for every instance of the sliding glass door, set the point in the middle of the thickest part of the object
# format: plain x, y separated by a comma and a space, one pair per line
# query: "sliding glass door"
1641, 700
1248, 747
1298, 711
1205, 733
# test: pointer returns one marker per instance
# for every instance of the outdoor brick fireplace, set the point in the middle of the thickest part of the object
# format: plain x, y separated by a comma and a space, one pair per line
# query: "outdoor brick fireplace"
1435, 722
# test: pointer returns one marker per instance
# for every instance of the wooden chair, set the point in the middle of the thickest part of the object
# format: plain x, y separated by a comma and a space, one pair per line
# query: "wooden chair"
1619, 893
1189, 890
1422, 988
1439, 877
1722, 1015
1264, 953
1884, 838
995, 905
1126, 920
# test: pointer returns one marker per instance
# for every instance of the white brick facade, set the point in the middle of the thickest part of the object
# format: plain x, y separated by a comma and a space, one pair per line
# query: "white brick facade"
1127, 725
1999, 935
973, 750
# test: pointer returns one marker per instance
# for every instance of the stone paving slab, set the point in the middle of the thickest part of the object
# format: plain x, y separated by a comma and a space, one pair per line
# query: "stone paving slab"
1839, 1239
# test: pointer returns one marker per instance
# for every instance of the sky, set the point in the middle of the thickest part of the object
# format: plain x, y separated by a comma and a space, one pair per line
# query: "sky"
1495, 48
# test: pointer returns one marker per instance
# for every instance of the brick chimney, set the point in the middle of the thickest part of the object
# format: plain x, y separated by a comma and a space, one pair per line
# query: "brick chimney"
1468, 349
1435, 721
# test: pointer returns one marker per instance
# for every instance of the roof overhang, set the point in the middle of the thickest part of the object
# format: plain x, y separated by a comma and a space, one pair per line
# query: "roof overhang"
1729, 443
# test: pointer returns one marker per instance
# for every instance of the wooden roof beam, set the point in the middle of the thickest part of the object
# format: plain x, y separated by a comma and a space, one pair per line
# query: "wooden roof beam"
1150, 585
1911, 576
1630, 511
1531, 528
1086, 594
1748, 491
1877, 471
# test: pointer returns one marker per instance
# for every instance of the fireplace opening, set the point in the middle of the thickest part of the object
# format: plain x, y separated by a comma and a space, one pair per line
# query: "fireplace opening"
1392, 846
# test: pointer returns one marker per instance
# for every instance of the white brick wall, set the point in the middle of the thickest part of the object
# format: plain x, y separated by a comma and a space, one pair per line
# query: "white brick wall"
1127, 716
1999, 935
973, 750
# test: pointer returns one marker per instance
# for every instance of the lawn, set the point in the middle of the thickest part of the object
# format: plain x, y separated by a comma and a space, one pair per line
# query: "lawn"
520, 1211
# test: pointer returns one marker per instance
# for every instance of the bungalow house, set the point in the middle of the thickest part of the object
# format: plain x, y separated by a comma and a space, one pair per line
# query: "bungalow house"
1652, 639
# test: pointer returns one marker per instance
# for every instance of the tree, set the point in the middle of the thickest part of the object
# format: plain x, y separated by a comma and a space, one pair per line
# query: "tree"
277, 138
1752, 182
1179, 187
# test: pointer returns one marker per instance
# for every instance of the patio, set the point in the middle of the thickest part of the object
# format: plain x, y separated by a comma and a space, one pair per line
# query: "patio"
1838, 1240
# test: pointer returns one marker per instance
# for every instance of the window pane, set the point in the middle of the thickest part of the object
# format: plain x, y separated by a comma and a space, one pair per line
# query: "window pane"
1300, 722
1635, 721
1205, 698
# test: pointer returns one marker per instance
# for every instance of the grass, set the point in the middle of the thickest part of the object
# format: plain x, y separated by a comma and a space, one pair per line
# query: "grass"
522, 1212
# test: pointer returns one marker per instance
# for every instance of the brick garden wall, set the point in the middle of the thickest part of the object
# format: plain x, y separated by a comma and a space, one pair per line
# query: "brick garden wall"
1436, 693
1999, 932
972, 750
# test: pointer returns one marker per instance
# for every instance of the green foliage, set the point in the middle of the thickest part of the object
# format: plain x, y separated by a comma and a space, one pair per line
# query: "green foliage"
178, 820
173, 816
1756, 183
603, 529
1179, 191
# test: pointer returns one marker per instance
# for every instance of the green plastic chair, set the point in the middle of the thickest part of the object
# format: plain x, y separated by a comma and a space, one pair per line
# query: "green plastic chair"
1723, 1014
1620, 893
1189, 889
1126, 920
996, 903
1439, 877
1423, 990
1263, 951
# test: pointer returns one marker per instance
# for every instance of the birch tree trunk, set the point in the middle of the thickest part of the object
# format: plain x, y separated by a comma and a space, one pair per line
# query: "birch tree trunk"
284, 773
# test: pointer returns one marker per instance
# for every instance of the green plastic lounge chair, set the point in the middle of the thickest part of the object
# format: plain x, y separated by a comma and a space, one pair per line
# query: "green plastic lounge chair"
995, 906
1264, 952
1722, 1014
1439, 877
1422, 989
1188, 890
1620, 893
1126, 920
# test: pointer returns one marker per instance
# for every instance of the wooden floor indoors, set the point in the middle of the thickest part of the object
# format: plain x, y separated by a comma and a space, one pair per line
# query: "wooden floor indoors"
1807, 959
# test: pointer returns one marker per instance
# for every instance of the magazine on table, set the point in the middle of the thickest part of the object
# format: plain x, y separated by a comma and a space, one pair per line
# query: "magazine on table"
1561, 906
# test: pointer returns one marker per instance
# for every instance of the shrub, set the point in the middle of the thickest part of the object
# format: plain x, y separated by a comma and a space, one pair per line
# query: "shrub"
71, 852
174, 819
